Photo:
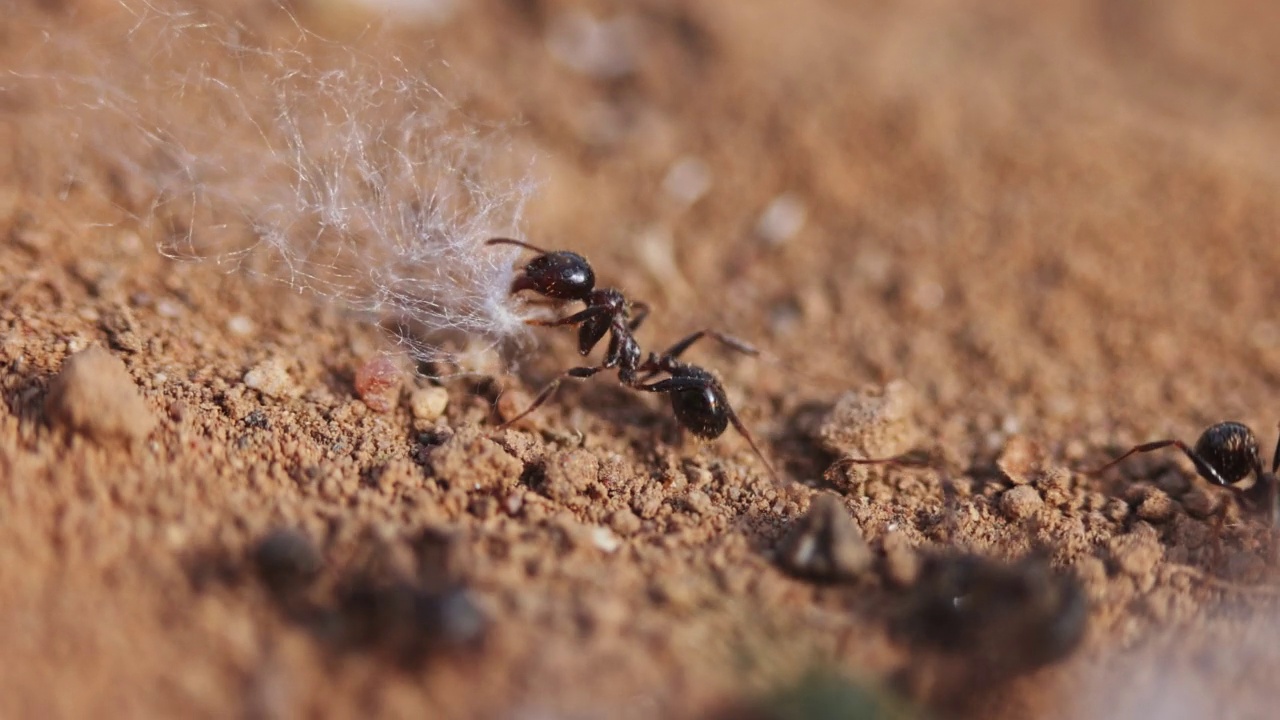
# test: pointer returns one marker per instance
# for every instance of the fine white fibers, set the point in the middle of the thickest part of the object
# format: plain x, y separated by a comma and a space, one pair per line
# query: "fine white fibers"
341, 173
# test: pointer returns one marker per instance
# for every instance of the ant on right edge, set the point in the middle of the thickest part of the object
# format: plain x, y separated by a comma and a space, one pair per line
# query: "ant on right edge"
698, 400
1225, 454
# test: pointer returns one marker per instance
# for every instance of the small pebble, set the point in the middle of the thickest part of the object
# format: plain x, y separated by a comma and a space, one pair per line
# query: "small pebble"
1117, 510
1054, 484
240, 325
826, 544
270, 378
1020, 460
928, 296
604, 539
377, 383
699, 502
1020, 502
428, 403
94, 395
624, 521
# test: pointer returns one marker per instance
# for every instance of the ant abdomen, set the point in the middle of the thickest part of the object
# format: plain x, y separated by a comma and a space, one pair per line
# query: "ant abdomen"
697, 400
701, 410
1231, 449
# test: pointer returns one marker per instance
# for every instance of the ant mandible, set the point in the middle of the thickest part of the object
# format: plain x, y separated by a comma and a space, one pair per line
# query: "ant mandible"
1225, 454
698, 400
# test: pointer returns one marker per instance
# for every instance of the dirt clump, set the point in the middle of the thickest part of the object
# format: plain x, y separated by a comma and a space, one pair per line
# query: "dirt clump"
872, 423
93, 395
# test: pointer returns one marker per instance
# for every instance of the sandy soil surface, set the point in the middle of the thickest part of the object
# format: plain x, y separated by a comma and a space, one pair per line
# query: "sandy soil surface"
1018, 240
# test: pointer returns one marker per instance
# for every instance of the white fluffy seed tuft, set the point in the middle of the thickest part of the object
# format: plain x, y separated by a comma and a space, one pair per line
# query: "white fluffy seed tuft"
343, 174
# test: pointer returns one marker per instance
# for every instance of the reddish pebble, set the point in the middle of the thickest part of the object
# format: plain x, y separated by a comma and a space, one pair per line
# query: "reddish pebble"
378, 384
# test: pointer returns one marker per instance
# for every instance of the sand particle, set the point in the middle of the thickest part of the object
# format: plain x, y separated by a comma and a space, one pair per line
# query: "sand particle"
428, 403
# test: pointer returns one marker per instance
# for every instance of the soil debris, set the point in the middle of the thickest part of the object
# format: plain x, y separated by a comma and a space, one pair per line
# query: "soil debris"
1020, 502
873, 423
1021, 459
93, 395
826, 544
1136, 552
271, 378
468, 460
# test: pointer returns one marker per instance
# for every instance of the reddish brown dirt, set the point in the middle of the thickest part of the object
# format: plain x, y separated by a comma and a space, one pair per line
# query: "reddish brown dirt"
1058, 225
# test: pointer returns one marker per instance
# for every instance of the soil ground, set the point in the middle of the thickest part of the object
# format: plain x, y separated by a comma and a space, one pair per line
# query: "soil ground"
1055, 222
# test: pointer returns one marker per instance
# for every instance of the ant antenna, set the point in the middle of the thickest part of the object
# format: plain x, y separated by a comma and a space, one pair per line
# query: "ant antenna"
742, 430
518, 243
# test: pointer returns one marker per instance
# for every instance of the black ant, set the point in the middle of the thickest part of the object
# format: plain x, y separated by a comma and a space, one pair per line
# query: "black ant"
1224, 455
697, 397
564, 275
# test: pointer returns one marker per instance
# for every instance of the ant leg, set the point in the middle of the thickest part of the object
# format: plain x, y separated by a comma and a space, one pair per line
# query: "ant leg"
663, 361
907, 459
1204, 469
728, 341
742, 430
578, 373
677, 384
509, 241
641, 312
575, 319
1143, 448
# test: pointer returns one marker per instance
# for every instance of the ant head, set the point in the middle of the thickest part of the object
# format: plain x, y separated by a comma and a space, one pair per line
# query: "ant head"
704, 411
560, 275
